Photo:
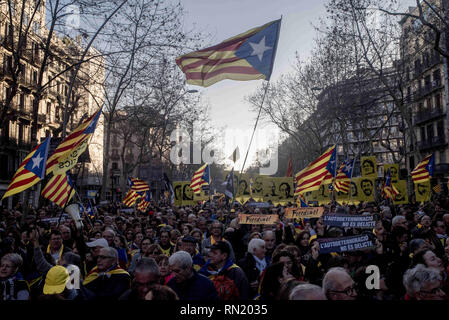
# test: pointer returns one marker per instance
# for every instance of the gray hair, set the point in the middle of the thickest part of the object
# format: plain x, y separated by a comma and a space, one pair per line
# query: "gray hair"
416, 278
255, 243
182, 259
14, 258
307, 291
396, 220
109, 230
72, 258
147, 265
112, 252
330, 281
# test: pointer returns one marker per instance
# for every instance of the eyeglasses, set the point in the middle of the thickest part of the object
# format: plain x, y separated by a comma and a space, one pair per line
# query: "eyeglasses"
105, 257
348, 291
7, 266
433, 291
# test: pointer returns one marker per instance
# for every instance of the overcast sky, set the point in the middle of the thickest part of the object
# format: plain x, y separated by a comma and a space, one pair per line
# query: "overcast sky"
224, 19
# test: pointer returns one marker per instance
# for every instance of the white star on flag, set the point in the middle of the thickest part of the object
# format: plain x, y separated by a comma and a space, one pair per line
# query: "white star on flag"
37, 161
259, 48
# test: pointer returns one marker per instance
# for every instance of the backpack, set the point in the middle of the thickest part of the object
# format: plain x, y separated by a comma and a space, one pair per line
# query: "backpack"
226, 287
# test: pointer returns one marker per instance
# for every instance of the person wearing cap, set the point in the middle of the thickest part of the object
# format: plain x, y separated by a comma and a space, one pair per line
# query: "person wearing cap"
95, 247
189, 244
107, 281
56, 285
220, 267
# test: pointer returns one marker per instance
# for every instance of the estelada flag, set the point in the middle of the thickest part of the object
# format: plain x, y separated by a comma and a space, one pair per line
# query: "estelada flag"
200, 177
311, 177
73, 140
247, 56
424, 170
31, 170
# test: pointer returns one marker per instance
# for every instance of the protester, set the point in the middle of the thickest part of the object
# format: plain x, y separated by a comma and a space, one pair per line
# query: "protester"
12, 284
146, 276
187, 283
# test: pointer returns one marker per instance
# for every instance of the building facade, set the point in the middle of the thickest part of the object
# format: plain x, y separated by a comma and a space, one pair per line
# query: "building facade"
426, 92
51, 93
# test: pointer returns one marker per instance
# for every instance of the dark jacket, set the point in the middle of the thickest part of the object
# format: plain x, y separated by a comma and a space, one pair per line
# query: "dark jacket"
106, 286
248, 265
198, 287
233, 272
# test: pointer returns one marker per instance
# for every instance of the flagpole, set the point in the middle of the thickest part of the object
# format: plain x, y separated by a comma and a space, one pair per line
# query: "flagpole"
255, 126
68, 196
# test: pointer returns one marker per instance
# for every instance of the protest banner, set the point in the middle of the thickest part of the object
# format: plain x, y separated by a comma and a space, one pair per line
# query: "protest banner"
368, 166
259, 204
177, 187
402, 197
69, 161
343, 244
258, 218
350, 221
306, 212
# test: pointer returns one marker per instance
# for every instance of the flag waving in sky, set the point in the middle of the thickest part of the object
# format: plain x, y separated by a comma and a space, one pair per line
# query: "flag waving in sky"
424, 170
311, 177
247, 56
31, 170
138, 185
73, 140
200, 177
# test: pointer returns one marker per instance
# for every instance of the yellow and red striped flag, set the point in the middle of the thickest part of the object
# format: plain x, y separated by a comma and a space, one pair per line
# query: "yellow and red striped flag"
58, 188
311, 177
131, 198
247, 56
73, 140
138, 185
200, 177
388, 190
145, 202
31, 170
424, 170
344, 176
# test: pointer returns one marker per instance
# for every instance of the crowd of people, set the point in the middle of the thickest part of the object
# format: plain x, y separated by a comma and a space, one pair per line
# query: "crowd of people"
203, 252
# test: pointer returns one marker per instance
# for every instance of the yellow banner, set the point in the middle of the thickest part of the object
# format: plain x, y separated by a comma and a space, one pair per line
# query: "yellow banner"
402, 197
422, 191
366, 189
257, 188
369, 166
243, 186
177, 189
394, 171
306, 212
70, 160
258, 218
278, 189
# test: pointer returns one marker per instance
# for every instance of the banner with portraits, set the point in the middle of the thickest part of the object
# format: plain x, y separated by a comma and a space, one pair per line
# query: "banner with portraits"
402, 197
361, 189
394, 168
257, 187
368, 166
422, 191
183, 193
278, 190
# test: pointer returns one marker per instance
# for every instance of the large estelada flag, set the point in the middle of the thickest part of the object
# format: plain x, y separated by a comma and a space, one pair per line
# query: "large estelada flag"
424, 170
247, 56
388, 190
138, 185
131, 198
200, 177
311, 177
31, 170
344, 175
59, 189
73, 140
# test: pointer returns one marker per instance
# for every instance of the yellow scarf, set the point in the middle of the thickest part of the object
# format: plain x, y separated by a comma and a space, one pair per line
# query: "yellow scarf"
60, 252
94, 274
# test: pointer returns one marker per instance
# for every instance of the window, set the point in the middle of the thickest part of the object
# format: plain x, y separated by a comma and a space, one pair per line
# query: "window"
22, 101
438, 101
114, 166
429, 103
36, 27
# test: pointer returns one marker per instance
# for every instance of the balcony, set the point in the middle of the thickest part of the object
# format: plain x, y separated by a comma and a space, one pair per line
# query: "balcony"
427, 89
426, 116
434, 142
115, 173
